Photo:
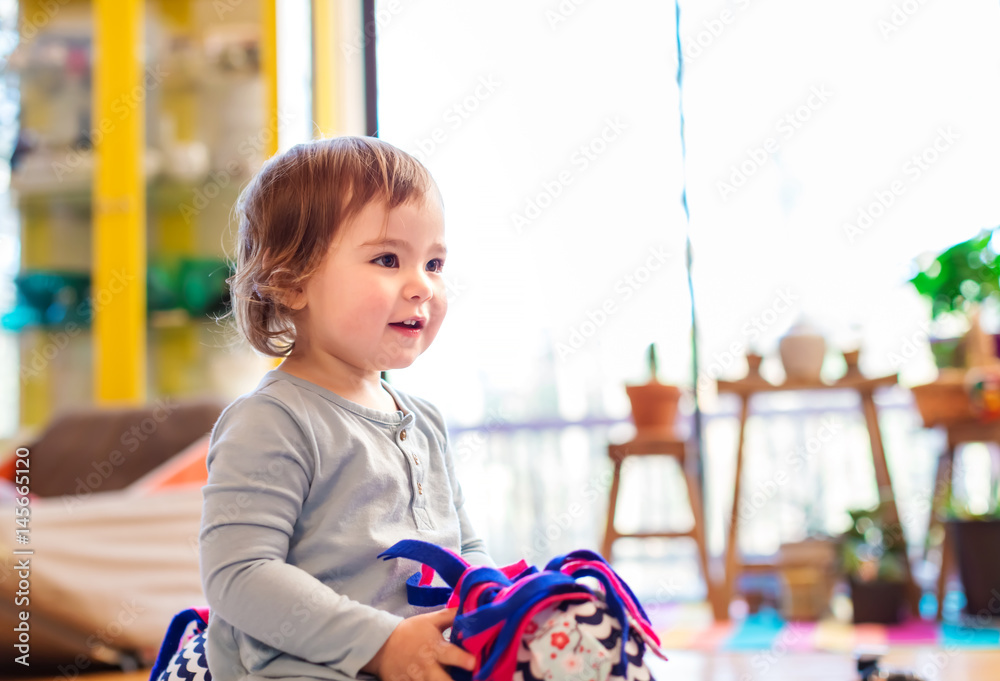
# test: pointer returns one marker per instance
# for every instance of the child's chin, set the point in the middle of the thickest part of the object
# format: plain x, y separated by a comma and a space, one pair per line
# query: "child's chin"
400, 363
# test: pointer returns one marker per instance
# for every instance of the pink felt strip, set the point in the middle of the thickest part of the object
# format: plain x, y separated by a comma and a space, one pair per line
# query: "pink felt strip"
475, 644
455, 594
570, 567
514, 569
426, 575
652, 642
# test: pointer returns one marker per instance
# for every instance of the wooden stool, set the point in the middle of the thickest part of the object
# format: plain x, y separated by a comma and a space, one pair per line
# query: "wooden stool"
656, 446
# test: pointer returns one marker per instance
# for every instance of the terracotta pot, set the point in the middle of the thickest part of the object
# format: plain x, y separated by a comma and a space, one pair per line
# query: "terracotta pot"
654, 408
946, 400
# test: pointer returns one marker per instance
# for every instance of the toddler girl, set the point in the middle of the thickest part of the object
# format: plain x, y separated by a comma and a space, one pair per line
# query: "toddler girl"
324, 466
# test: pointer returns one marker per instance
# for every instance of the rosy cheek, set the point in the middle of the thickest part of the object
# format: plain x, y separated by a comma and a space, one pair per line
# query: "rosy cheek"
369, 299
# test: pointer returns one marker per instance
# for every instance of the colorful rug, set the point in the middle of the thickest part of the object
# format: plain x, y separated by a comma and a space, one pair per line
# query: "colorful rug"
690, 627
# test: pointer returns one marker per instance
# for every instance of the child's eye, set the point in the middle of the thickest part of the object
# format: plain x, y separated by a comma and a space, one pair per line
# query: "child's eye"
435, 265
387, 260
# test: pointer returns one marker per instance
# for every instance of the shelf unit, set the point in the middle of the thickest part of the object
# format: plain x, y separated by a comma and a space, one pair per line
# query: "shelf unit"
140, 120
187, 93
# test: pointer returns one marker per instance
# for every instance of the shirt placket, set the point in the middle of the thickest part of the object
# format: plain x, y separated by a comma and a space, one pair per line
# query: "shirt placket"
406, 439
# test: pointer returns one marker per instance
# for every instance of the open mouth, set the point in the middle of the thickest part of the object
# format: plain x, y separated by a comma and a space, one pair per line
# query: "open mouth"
409, 324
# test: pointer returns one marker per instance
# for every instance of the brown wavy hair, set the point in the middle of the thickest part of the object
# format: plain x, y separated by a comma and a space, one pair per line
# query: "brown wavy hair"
289, 214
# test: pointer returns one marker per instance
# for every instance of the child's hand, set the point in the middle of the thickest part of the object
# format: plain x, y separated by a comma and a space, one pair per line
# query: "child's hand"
416, 650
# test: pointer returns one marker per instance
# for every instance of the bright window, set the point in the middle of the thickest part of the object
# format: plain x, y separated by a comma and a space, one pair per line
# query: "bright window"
827, 147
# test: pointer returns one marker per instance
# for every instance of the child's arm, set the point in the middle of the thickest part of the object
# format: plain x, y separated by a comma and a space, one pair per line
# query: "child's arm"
259, 476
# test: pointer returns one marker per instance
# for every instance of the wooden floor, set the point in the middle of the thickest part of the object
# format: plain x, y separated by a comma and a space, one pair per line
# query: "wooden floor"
931, 664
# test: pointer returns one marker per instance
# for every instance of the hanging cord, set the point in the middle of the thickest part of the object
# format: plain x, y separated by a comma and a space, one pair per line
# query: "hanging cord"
687, 249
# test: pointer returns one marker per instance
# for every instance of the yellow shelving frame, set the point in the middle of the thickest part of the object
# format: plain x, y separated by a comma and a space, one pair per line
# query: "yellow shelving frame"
269, 69
118, 286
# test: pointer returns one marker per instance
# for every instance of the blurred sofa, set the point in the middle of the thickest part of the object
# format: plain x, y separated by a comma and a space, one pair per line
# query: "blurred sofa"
115, 509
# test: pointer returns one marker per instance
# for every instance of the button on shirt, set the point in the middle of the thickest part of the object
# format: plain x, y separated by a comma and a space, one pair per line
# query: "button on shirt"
305, 489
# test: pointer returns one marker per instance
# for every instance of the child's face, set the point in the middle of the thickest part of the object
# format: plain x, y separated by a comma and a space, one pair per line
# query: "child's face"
377, 275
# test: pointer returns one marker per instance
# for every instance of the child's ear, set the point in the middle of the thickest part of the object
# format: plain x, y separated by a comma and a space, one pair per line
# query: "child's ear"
294, 298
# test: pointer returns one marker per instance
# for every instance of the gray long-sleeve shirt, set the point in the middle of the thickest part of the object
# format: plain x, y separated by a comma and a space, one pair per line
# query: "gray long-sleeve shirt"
304, 490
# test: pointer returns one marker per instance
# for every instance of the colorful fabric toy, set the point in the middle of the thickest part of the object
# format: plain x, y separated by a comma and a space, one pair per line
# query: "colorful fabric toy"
523, 624
182, 655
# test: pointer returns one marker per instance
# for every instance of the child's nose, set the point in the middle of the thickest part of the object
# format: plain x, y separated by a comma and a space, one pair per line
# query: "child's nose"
419, 286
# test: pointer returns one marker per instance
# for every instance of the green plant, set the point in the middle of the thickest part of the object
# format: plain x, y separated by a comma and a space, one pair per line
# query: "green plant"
872, 549
961, 276
955, 509
652, 363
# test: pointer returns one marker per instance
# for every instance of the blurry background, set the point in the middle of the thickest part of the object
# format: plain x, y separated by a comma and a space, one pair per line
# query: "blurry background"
829, 148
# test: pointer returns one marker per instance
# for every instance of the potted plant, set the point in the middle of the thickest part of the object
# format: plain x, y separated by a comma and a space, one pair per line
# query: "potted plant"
957, 281
654, 404
872, 556
960, 282
976, 538
808, 574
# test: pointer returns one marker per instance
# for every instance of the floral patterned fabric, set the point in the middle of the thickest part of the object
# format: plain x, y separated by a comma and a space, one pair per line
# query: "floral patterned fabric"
578, 642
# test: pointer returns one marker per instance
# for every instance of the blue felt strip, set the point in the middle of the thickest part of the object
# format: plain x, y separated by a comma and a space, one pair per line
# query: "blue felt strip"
426, 596
445, 563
